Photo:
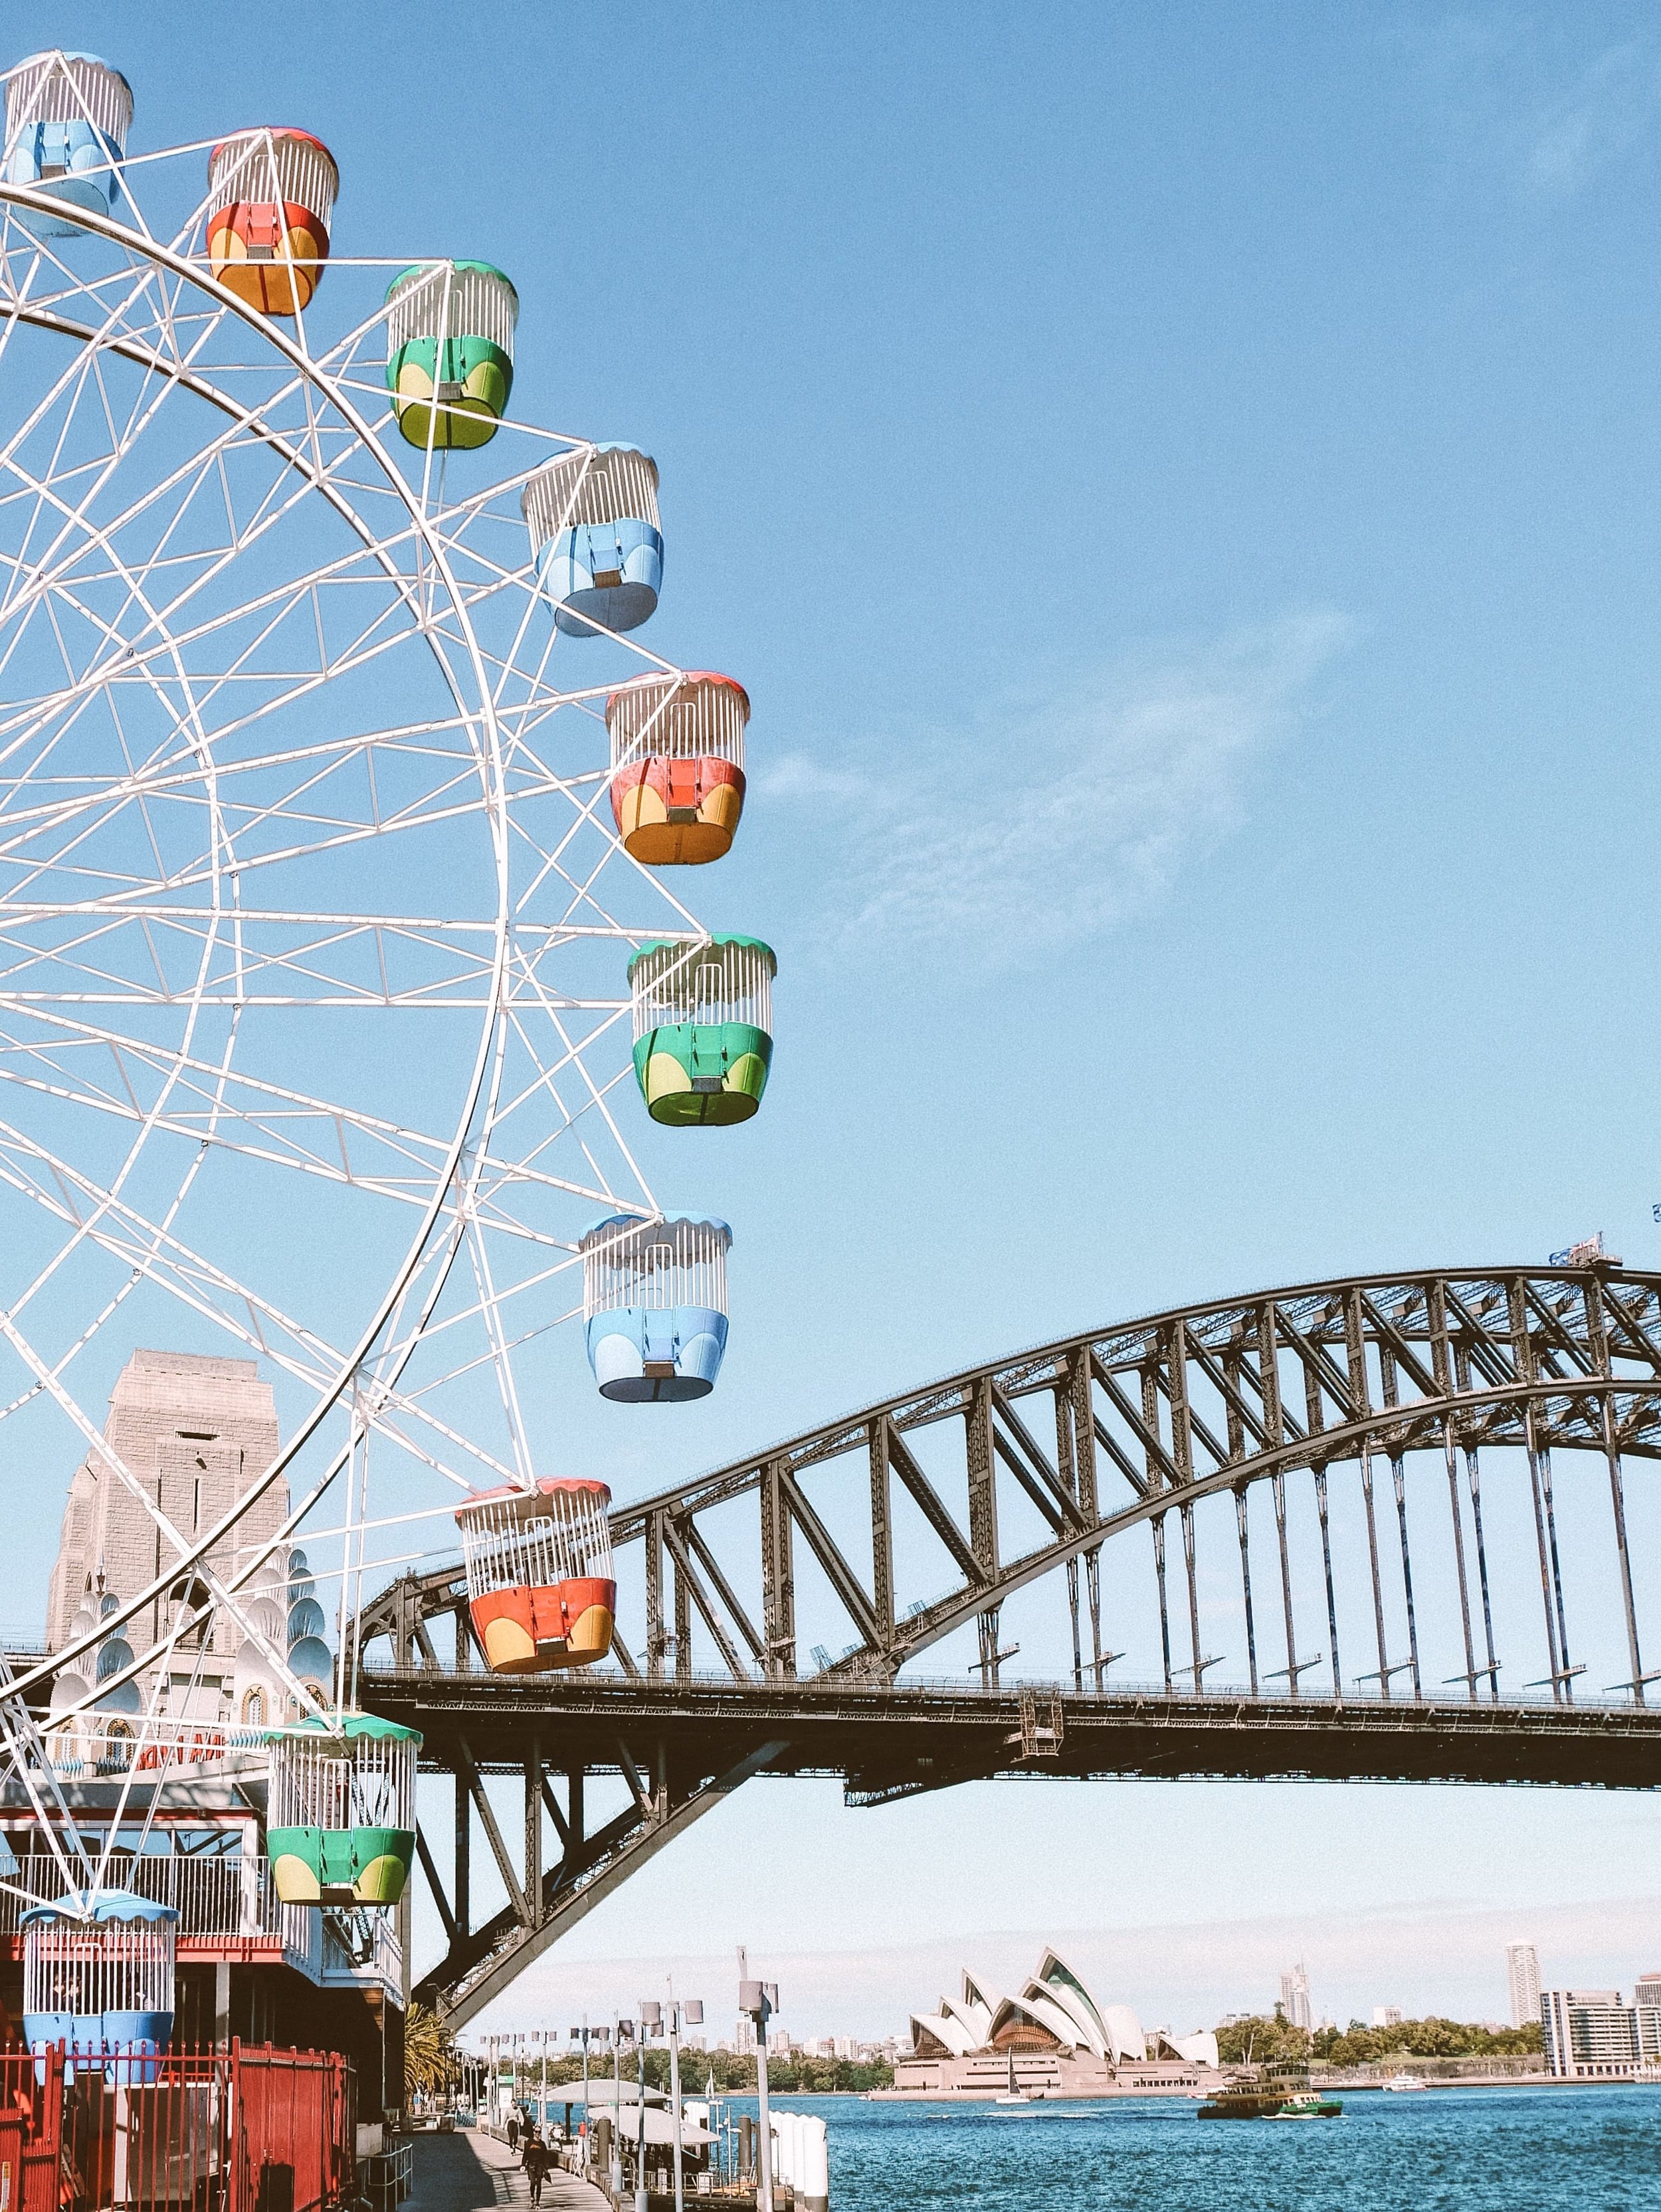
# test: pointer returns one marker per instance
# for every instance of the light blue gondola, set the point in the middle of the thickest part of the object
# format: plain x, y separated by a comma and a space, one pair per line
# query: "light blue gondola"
98, 1977
595, 537
655, 1306
67, 119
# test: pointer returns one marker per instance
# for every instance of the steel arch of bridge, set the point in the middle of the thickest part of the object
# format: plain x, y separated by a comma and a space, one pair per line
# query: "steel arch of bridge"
1142, 1423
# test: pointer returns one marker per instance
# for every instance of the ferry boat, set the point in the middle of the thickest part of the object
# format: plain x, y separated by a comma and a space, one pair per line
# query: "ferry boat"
1402, 2082
1281, 2093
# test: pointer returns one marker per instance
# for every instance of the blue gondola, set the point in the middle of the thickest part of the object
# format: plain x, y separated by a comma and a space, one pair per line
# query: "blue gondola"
67, 119
98, 1977
595, 537
654, 1304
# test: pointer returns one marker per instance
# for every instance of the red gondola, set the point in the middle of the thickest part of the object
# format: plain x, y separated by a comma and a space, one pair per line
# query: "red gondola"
540, 1582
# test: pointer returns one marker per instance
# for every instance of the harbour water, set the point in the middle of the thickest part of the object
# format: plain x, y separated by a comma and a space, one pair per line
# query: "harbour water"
1504, 2151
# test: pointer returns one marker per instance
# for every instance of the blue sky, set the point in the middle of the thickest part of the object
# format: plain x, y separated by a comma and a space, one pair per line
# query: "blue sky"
1180, 487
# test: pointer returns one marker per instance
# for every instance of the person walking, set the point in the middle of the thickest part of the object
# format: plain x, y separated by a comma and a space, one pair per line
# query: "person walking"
513, 2130
536, 2163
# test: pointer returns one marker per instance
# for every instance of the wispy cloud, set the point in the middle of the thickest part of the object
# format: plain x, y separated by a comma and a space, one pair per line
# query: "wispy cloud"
1604, 110
1056, 819
1540, 100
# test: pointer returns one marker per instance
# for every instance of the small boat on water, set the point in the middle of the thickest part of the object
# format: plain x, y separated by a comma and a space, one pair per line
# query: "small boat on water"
1012, 2096
1402, 2082
1280, 2094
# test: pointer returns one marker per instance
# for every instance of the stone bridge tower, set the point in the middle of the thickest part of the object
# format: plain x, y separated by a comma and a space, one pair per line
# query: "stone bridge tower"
196, 1431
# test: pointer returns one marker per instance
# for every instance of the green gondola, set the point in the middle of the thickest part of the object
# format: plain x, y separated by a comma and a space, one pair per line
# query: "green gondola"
450, 334
703, 1024
340, 1822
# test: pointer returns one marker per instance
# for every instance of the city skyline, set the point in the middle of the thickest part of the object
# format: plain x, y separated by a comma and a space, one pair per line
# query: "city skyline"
1452, 1966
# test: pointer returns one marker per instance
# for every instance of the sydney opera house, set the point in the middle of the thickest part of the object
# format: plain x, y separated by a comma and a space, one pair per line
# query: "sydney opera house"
1054, 2040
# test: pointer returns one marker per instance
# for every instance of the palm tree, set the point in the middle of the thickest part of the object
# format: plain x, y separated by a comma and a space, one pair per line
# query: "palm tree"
428, 2048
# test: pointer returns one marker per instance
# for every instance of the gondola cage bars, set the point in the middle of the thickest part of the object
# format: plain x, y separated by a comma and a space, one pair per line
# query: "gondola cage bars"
676, 759
340, 1814
703, 1027
99, 1974
450, 328
540, 1584
271, 196
596, 538
655, 1306
67, 119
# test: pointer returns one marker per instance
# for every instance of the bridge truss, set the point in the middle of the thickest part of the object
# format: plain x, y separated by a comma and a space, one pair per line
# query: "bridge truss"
1300, 1465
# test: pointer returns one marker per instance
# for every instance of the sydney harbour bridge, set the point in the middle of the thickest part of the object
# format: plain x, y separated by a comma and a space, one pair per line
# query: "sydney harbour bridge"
333, 1064
1377, 1527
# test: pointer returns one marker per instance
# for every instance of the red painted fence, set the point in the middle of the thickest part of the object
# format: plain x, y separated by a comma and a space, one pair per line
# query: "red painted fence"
252, 2130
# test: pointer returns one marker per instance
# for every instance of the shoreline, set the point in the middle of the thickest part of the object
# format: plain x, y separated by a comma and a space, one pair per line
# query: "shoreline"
1192, 2096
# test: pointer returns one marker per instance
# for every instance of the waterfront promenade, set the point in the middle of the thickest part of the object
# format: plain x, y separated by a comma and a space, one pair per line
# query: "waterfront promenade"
469, 2171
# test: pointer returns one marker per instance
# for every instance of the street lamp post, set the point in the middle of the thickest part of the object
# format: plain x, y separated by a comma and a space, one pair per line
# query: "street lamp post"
617, 2108
761, 2001
692, 2012
651, 2016
587, 2131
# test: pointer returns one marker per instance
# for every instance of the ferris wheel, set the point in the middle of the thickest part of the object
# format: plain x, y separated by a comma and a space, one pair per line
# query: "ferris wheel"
345, 820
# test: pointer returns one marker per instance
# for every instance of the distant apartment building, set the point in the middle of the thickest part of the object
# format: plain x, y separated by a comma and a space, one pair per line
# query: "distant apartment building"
1522, 1980
1295, 1999
1647, 2003
1387, 2015
1589, 2035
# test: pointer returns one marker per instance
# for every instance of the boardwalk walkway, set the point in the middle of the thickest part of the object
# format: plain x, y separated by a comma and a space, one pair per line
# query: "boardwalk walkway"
471, 2172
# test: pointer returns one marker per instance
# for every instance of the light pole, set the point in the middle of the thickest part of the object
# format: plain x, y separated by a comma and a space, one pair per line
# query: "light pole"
617, 2027
691, 2011
761, 2001
651, 2016
583, 2033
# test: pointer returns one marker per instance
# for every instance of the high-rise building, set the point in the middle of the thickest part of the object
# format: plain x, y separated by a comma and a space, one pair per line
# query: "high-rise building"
1387, 2015
1522, 1977
1589, 2034
1295, 1999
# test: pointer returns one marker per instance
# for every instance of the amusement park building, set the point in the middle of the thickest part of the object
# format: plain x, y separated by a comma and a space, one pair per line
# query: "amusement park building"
193, 1838
1053, 2039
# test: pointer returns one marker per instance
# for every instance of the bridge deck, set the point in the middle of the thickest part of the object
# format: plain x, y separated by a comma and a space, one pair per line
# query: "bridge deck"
897, 1739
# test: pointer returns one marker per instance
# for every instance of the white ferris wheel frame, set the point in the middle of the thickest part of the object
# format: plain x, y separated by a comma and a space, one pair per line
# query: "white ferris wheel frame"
456, 1171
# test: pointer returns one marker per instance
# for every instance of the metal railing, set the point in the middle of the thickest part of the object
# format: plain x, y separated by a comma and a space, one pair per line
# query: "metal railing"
230, 1897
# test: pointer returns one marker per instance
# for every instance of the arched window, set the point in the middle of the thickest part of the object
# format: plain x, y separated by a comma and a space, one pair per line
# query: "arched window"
253, 1705
191, 1597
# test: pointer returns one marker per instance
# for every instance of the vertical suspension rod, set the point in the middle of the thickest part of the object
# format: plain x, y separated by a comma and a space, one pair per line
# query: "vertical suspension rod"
1158, 1525
1399, 1474
1193, 1598
1373, 1559
1617, 1500
1473, 1483
1277, 1483
1326, 1561
1459, 1557
1557, 1575
1559, 1681
1241, 1518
